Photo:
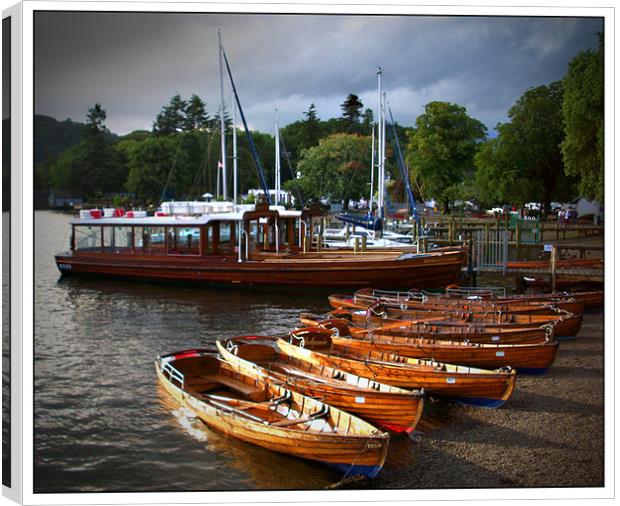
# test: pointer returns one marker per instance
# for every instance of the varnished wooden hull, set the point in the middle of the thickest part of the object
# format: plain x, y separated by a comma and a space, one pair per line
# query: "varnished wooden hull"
439, 331
526, 358
339, 301
350, 453
466, 385
385, 406
564, 324
313, 269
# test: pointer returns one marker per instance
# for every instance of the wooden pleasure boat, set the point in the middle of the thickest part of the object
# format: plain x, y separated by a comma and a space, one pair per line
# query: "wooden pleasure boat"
466, 385
407, 301
385, 406
256, 410
443, 330
240, 244
534, 358
564, 324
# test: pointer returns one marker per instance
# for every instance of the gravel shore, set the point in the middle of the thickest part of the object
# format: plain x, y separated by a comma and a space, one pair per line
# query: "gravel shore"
549, 434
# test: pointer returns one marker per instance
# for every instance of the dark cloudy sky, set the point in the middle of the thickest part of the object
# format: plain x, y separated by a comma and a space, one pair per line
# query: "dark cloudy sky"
132, 63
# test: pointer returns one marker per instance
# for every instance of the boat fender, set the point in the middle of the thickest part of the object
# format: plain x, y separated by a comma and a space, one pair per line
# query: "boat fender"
452, 287
335, 332
232, 348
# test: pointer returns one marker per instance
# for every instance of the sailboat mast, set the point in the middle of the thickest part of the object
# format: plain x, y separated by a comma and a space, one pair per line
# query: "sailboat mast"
277, 175
372, 170
222, 122
381, 139
234, 140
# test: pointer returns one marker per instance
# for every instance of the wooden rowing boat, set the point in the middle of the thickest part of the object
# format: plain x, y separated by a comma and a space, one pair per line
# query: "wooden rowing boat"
564, 324
466, 385
363, 299
385, 406
444, 330
258, 411
533, 358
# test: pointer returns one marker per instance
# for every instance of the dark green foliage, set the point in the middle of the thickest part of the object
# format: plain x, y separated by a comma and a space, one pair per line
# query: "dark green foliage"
524, 163
172, 118
583, 113
338, 168
441, 150
92, 166
351, 110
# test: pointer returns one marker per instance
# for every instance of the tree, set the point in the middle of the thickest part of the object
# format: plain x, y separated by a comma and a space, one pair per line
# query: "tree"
312, 127
196, 117
583, 112
351, 109
441, 149
159, 165
524, 163
368, 119
337, 168
172, 118
93, 166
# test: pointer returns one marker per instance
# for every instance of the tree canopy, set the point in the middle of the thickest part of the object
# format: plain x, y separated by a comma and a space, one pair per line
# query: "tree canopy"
583, 112
441, 149
338, 168
524, 162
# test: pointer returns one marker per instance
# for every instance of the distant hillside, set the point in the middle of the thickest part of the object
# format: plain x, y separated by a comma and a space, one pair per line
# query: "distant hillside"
52, 137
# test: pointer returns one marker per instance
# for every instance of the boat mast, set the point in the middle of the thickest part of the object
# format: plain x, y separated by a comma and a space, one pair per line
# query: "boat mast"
222, 122
234, 136
277, 167
381, 147
372, 170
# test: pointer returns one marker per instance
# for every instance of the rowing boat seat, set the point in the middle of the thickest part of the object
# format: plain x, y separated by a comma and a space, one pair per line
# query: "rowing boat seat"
250, 391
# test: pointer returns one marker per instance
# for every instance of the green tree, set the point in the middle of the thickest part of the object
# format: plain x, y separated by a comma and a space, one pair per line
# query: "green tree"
159, 164
351, 110
93, 166
196, 117
583, 112
172, 118
524, 163
338, 168
441, 149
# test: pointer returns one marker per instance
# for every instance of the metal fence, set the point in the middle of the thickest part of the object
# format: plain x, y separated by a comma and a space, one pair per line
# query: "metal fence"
490, 250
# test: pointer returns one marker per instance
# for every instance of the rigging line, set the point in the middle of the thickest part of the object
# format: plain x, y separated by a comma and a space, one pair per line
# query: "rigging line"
201, 168
293, 177
259, 167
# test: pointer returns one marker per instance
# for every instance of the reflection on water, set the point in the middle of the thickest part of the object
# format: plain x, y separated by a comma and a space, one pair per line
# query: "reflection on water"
102, 423
6, 353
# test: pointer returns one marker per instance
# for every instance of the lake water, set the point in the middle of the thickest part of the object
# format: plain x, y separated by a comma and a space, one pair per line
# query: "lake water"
102, 422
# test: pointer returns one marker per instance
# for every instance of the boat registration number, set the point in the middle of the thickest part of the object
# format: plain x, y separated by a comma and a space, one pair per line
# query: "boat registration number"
360, 400
499, 353
451, 380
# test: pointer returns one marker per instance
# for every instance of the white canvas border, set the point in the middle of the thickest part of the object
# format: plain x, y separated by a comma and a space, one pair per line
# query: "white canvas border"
25, 225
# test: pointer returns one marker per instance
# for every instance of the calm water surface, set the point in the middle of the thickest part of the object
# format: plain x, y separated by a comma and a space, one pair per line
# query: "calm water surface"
102, 422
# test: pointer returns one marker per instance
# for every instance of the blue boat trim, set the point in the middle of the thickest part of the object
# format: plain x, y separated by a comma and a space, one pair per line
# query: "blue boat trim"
356, 470
535, 370
479, 401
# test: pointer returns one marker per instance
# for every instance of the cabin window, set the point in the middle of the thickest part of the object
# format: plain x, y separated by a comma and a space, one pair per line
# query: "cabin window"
88, 239
108, 239
183, 241
150, 240
122, 239
224, 232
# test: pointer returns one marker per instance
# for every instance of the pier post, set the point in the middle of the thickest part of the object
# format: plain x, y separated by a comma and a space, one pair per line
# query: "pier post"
554, 254
363, 243
356, 244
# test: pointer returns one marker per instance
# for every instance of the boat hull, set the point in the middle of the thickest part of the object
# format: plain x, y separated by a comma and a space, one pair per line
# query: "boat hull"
525, 358
313, 269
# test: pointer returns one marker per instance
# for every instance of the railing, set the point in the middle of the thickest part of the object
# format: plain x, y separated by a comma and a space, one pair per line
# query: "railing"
174, 374
491, 250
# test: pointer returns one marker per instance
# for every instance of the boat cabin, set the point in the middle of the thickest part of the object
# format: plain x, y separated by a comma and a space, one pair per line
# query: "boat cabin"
239, 231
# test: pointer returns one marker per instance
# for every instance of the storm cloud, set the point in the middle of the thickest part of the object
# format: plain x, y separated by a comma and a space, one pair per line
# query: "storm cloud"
132, 63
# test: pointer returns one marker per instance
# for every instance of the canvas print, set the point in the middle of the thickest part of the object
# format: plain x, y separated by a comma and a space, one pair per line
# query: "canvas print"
317, 251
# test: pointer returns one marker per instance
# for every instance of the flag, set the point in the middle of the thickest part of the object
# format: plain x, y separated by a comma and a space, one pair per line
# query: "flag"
220, 165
